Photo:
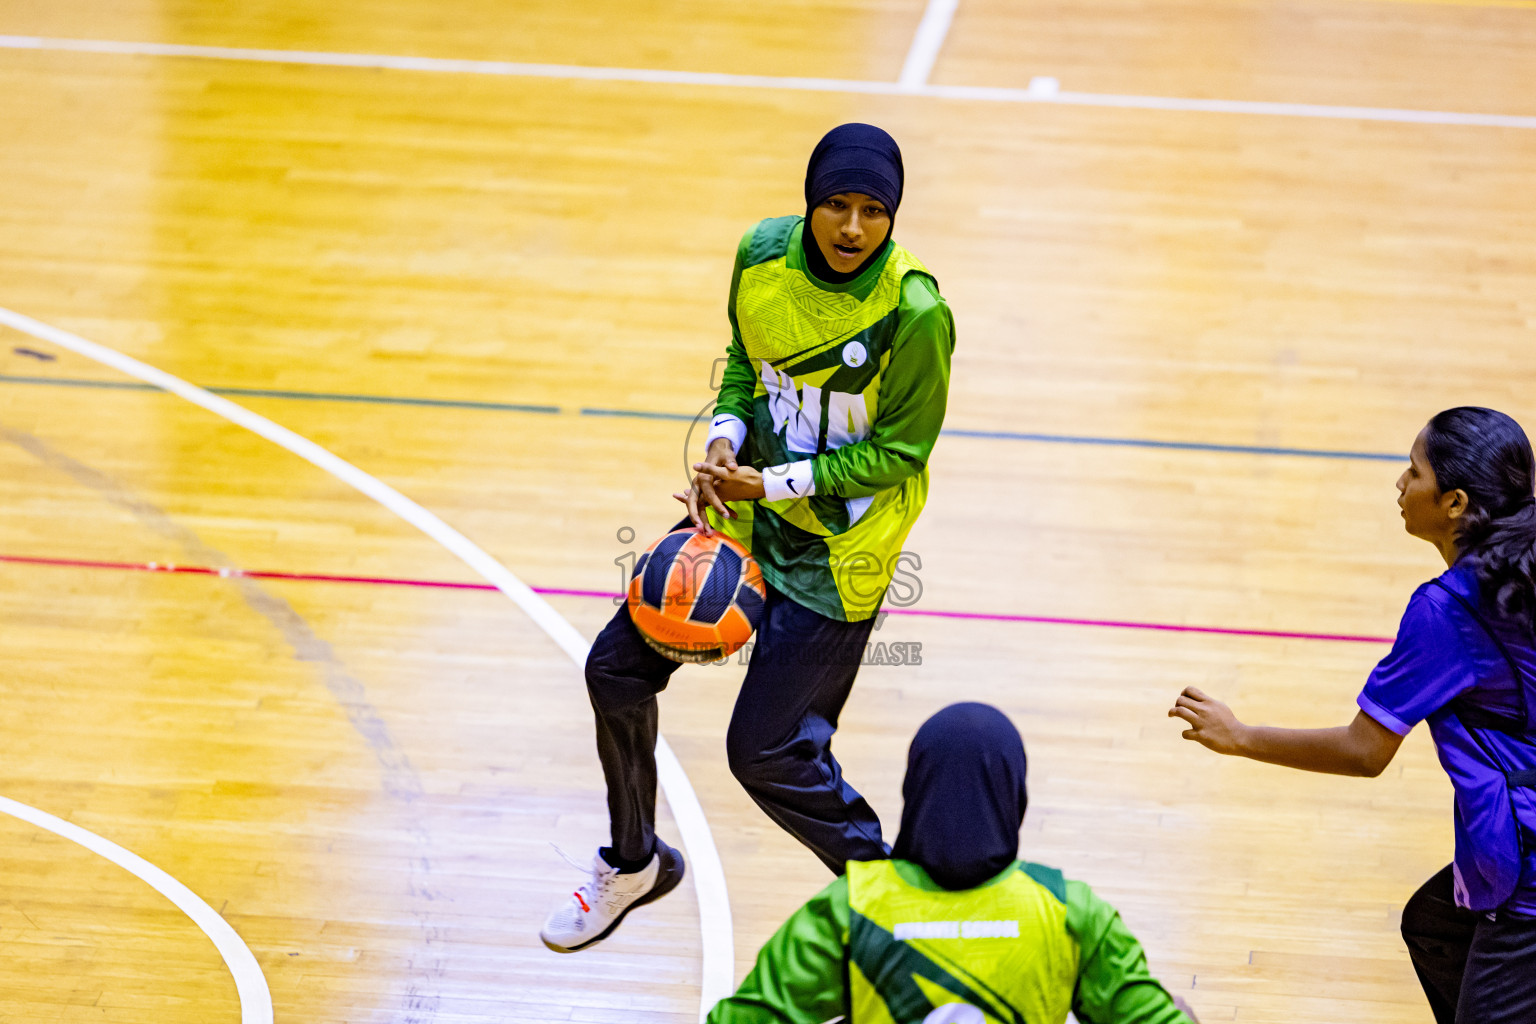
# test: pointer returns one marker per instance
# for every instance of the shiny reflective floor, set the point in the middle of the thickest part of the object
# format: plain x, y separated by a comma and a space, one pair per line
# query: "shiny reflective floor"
444, 279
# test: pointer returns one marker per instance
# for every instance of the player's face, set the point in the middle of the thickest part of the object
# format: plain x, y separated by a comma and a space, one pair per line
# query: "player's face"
1428, 513
848, 227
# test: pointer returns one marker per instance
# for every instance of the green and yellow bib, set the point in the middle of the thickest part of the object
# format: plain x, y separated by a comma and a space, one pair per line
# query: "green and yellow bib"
815, 358
997, 954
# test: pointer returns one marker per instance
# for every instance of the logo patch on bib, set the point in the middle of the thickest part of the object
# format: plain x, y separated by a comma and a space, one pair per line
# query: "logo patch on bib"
854, 353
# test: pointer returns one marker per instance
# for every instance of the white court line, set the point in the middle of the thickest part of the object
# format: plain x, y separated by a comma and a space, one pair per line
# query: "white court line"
255, 1000
927, 43
651, 76
704, 859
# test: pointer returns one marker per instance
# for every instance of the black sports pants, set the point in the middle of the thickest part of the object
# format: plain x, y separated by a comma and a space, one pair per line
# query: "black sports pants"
779, 741
1474, 970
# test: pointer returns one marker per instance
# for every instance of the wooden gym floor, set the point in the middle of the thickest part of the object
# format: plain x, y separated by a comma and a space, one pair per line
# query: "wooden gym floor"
501, 294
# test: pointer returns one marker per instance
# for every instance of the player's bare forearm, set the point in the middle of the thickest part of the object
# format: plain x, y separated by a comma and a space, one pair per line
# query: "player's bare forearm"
1364, 747
1336, 751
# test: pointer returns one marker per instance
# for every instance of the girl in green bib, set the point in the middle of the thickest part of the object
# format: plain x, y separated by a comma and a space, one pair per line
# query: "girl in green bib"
834, 391
955, 929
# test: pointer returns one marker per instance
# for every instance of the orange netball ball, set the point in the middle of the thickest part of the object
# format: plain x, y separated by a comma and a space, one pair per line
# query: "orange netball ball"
696, 598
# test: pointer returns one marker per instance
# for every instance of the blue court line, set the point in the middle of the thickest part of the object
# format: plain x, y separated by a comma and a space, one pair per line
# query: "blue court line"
1188, 446
441, 403
640, 415
70, 382
311, 396
681, 417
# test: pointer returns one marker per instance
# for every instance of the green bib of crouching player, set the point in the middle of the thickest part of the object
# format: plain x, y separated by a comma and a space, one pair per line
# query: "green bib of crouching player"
852, 376
1021, 948
1000, 953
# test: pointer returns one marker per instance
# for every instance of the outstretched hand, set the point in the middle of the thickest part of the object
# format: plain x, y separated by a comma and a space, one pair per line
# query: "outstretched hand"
1210, 721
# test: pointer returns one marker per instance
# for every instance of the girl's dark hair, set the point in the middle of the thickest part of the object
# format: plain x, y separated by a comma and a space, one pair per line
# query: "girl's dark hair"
1486, 454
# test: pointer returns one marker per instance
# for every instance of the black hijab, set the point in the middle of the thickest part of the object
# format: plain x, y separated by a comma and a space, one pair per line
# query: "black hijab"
851, 158
964, 796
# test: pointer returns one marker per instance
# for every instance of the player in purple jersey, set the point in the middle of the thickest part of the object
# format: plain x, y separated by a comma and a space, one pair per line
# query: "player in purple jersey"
1465, 662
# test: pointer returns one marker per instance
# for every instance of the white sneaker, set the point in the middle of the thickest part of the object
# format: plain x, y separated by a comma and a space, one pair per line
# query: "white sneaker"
595, 909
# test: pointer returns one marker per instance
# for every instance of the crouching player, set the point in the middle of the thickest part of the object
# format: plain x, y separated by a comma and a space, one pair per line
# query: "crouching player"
955, 929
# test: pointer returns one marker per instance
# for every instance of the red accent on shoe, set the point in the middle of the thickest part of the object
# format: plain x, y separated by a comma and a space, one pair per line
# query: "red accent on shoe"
583, 902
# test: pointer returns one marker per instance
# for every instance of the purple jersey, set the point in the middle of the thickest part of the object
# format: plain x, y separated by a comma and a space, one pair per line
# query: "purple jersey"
1445, 669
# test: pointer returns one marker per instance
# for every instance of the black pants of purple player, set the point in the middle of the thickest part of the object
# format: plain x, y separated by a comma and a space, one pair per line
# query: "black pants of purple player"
779, 744
1475, 968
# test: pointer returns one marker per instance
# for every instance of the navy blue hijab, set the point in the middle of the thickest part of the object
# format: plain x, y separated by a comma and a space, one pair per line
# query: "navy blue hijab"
851, 158
964, 796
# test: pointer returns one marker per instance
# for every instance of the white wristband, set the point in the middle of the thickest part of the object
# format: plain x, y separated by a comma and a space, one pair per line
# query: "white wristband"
729, 427
791, 480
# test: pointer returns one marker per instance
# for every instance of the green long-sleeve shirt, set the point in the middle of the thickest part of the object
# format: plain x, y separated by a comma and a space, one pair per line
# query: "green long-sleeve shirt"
840, 391
1045, 944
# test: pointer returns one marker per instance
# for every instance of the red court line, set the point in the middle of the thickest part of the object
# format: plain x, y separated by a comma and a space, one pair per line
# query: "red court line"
258, 574
390, 581
1166, 627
